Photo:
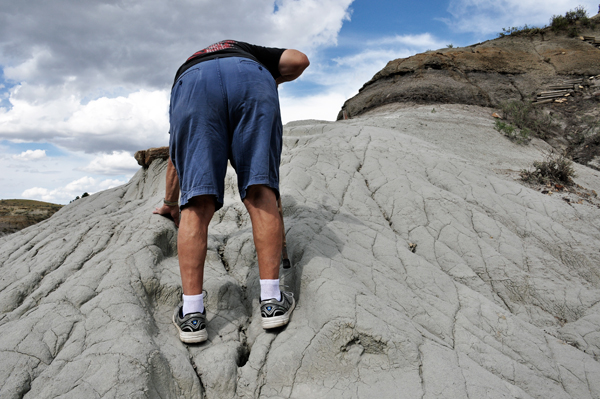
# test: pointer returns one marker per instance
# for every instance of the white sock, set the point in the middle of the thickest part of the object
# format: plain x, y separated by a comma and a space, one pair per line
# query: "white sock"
269, 289
193, 304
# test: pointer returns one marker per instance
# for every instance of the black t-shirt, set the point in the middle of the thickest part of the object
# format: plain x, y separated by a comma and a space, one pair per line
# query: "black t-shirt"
267, 56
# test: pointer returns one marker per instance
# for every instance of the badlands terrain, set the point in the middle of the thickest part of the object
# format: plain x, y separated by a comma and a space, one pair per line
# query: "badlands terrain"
423, 267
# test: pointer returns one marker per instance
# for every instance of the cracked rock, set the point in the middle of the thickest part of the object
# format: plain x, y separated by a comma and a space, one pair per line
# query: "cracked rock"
501, 299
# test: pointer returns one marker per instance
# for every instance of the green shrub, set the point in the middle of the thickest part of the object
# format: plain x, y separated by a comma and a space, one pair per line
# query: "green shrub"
521, 136
579, 13
554, 168
558, 22
569, 21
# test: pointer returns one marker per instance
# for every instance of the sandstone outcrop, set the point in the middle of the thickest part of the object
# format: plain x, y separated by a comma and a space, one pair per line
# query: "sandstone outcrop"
145, 157
513, 67
421, 266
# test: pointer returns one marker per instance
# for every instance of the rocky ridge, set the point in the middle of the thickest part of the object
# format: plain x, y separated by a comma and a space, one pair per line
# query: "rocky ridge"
513, 67
421, 266
557, 73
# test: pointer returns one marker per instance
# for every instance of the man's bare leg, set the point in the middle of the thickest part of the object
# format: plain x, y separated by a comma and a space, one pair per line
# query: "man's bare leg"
192, 242
276, 306
261, 204
190, 319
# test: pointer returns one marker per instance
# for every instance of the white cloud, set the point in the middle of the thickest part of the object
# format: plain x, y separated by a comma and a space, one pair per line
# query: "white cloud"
75, 188
356, 69
321, 106
117, 163
30, 155
420, 41
74, 51
487, 17
93, 43
135, 122
37, 193
311, 22
344, 76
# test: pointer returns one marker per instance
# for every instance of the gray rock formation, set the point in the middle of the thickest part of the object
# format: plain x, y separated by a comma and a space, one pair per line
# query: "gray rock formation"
500, 298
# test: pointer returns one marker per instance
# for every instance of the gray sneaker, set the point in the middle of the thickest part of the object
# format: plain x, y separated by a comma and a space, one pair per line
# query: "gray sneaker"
276, 313
191, 327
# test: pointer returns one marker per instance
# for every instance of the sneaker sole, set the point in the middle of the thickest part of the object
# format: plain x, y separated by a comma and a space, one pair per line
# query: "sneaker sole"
191, 337
278, 321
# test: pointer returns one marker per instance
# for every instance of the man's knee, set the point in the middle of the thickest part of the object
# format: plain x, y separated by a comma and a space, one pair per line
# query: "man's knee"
259, 193
204, 206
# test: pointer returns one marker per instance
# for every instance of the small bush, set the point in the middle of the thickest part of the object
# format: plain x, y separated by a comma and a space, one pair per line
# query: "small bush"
521, 136
553, 169
569, 21
525, 115
558, 22
579, 13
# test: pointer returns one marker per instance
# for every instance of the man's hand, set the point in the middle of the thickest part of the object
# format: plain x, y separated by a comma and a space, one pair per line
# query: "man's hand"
170, 212
171, 195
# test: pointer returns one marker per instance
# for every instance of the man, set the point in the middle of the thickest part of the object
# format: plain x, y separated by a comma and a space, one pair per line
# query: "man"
224, 105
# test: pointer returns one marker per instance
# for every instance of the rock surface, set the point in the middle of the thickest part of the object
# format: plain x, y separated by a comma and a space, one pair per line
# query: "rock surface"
500, 298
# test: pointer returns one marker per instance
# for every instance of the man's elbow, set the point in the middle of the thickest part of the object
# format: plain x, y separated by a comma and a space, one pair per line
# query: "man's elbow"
303, 62
293, 63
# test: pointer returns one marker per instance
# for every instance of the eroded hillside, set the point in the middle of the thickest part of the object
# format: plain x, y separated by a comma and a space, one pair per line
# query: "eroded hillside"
422, 269
536, 66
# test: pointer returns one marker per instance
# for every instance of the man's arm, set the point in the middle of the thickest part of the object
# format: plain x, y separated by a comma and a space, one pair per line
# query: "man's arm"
291, 65
171, 195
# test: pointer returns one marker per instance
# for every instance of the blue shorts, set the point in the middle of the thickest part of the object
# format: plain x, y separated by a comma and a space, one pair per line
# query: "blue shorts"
225, 108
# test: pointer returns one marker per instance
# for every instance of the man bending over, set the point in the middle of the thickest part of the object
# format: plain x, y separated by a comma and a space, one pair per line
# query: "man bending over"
224, 105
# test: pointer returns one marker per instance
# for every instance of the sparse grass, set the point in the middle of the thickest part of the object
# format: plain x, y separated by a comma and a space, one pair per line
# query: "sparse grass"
519, 136
16, 214
525, 115
518, 30
554, 168
588, 132
570, 22
27, 203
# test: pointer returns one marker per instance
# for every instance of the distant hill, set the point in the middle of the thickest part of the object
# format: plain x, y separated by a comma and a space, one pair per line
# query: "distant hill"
16, 214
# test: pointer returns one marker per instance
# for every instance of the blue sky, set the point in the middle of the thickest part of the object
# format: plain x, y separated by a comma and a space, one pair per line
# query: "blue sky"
83, 85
